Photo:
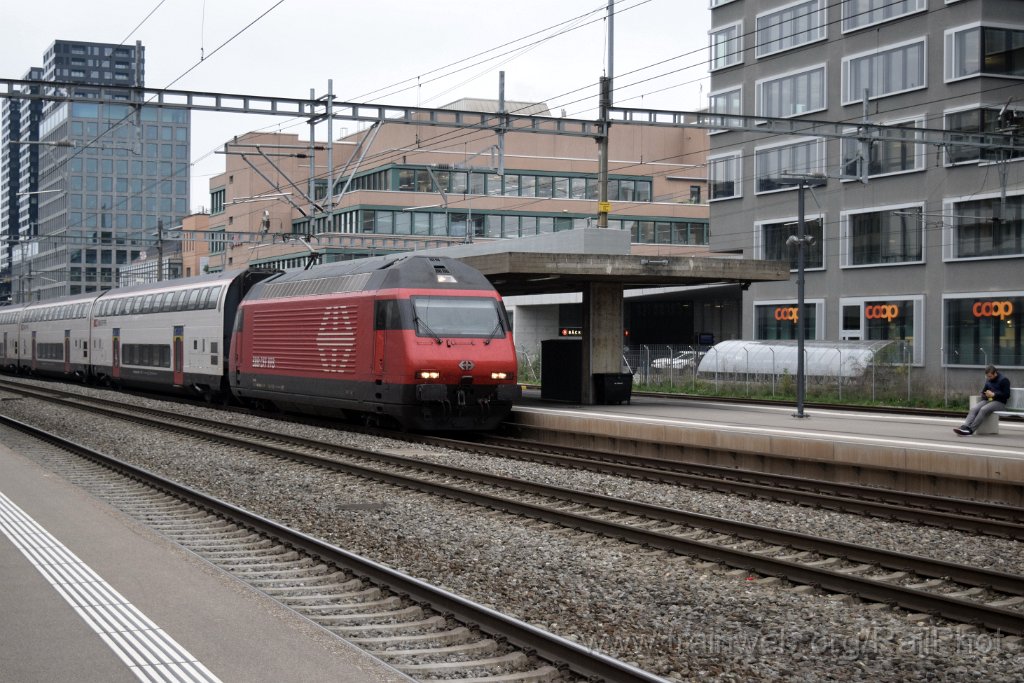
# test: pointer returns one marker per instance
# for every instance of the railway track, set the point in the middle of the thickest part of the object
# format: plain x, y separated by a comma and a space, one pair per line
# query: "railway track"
1002, 521
958, 592
420, 630
947, 513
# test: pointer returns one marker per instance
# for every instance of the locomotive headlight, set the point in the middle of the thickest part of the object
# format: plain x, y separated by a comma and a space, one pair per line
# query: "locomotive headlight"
499, 375
428, 374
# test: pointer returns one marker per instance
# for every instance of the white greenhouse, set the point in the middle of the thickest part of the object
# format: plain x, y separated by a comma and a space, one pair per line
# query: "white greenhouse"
821, 358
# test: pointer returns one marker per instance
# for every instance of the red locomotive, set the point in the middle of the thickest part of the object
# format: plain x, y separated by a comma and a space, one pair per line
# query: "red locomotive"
419, 341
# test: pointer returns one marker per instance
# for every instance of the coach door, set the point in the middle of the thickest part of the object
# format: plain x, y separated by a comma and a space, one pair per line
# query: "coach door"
178, 355
115, 354
33, 366
67, 351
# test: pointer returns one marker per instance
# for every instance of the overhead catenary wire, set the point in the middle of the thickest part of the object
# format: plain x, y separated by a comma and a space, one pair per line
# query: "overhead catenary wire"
465, 133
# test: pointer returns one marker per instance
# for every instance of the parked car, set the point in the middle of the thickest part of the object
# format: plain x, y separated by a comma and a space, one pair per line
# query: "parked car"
683, 360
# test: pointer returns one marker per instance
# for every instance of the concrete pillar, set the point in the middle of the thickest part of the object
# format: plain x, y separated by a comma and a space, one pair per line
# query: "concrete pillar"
602, 334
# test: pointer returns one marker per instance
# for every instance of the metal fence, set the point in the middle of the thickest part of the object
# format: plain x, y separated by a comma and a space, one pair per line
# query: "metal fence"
886, 374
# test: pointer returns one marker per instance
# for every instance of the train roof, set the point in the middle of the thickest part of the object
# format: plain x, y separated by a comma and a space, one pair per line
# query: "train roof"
178, 283
73, 299
386, 272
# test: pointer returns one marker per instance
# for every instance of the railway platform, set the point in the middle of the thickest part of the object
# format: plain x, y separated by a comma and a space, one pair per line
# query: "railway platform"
91, 595
894, 450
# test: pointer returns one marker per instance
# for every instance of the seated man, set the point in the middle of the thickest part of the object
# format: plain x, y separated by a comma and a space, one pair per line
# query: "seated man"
994, 396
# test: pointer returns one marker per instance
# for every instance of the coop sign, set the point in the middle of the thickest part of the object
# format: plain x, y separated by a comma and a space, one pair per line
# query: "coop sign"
992, 309
787, 313
887, 312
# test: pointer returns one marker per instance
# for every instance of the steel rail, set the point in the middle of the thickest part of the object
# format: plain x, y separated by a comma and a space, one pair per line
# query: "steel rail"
1004, 620
954, 513
947, 513
579, 659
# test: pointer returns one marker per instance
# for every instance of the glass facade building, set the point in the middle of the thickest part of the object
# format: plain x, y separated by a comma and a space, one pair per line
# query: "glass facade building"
104, 172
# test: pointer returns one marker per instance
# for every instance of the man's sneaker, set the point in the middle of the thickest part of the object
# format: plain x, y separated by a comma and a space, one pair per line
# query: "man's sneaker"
964, 431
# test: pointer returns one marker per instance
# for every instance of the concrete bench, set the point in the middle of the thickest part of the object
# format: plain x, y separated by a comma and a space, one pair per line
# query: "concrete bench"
1014, 407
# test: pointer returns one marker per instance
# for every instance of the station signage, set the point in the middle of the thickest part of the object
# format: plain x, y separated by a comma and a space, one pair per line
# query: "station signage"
787, 313
570, 332
992, 309
887, 312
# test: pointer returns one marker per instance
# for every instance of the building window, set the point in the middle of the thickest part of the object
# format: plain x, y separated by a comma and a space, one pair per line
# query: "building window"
883, 236
884, 72
771, 242
727, 46
893, 319
974, 121
780, 320
218, 241
860, 13
887, 154
985, 328
791, 94
217, 201
726, 102
987, 50
789, 27
773, 164
983, 228
724, 177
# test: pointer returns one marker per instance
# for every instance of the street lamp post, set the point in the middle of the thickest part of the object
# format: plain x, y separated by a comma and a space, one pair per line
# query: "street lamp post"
801, 240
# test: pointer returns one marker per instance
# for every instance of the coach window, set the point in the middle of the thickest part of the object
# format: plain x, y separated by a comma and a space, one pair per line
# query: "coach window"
895, 319
147, 303
193, 299
779, 320
214, 300
984, 328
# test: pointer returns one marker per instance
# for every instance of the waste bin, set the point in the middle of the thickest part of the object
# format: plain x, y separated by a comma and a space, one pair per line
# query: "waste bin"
612, 387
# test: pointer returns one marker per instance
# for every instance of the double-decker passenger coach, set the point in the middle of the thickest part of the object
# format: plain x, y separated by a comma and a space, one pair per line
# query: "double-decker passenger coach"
423, 342
52, 337
171, 335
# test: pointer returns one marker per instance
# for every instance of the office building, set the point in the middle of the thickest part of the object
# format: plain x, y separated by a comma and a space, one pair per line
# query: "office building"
914, 243
87, 181
405, 187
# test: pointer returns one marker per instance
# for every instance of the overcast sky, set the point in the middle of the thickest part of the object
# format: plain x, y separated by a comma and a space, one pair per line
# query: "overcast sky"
393, 51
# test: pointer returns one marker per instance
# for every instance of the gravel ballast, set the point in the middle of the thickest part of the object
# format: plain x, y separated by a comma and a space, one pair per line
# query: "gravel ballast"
671, 615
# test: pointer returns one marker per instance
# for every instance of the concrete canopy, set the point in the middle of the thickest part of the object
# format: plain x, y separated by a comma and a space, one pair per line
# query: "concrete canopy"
571, 260
515, 273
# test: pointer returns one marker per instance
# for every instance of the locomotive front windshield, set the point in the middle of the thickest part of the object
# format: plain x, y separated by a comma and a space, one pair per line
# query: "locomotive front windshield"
450, 316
